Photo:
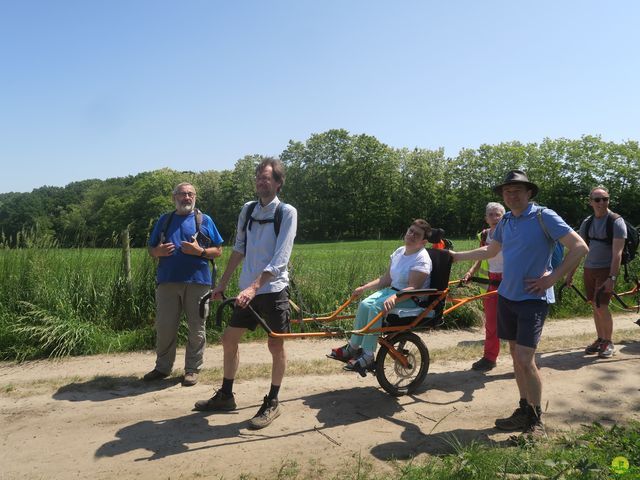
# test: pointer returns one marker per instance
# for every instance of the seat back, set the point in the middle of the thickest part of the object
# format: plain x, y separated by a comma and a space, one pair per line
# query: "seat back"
441, 261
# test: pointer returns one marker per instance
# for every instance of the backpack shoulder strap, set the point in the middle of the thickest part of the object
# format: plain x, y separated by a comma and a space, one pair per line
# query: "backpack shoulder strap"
611, 218
543, 226
165, 226
198, 219
484, 234
247, 217
277, 218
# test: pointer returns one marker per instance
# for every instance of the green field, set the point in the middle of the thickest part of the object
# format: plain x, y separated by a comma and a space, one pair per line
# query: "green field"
56, 302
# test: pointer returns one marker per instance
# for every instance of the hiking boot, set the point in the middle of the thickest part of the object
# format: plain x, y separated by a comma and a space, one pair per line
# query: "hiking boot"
268, 412
483, 365
606, 349
220, 402
190, 379
361, 364
518, 420
154, 375
594, 347
535, 430
344, 354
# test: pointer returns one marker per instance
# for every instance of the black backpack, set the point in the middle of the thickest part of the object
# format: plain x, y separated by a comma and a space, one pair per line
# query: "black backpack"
203, 240
630, 249
276, 220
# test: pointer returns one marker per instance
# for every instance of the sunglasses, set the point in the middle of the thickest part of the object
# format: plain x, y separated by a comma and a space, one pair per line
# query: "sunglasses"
600, 199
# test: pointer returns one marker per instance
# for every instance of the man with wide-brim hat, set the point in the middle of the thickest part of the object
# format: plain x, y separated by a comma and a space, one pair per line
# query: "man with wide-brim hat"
517, 177
526, 236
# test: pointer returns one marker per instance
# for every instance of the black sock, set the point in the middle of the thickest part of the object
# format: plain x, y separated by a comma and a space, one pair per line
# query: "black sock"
273, 393
524, 403
227, 385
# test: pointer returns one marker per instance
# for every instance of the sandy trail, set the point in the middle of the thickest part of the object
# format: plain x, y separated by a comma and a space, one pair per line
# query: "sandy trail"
116, 427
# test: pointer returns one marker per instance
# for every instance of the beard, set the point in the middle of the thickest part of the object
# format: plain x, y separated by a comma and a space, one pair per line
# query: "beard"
185, 209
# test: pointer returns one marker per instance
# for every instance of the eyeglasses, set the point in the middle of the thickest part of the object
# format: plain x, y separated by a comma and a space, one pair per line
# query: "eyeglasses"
600, 199
186, 194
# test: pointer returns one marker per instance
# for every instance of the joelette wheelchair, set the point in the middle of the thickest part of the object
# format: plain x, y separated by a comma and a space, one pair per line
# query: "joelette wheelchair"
402, 361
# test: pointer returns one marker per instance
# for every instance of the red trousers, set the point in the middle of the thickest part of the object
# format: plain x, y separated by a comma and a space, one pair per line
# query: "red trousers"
491, 340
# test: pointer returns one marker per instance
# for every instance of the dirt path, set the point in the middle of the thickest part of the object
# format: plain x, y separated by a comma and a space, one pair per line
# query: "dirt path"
58, 421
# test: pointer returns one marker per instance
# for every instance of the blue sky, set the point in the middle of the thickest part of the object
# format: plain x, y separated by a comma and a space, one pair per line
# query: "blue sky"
100, 89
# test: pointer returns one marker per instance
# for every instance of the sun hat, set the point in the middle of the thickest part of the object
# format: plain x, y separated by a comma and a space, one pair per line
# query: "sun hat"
515, 177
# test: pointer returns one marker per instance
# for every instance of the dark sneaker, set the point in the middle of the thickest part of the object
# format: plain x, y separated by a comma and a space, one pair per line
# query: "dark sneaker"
518, 420
607, 349
220, 402
594, 347
483, 365
268, 412
190, 379
362, 364
154, 375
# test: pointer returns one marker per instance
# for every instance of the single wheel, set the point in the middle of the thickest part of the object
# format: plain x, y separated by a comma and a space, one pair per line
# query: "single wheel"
392, 375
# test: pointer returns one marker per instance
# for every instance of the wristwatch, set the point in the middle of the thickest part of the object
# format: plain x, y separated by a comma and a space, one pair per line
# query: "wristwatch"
612, 277
204, 252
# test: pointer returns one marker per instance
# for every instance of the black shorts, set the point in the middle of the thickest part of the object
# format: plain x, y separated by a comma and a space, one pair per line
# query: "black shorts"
272, 307
521, 321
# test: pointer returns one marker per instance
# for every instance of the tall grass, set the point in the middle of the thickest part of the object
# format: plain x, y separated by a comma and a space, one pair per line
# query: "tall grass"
57, 301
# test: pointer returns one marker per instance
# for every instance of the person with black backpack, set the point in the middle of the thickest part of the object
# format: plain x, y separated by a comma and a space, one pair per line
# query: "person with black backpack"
264, 241
605, 233
184, 241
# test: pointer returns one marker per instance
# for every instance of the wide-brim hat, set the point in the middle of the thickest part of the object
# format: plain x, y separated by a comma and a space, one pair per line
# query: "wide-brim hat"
515, 177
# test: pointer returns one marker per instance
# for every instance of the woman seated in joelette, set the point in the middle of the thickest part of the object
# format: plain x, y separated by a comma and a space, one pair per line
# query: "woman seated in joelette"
410, 269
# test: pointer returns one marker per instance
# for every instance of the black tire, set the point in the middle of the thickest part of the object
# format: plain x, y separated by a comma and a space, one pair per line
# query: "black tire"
392, 376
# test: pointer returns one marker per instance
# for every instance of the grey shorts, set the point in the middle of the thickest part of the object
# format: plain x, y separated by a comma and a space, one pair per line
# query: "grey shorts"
272, 307
521, 321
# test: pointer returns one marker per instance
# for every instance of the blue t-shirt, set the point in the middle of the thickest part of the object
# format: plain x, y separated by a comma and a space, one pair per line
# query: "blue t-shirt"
180, 267
526, 250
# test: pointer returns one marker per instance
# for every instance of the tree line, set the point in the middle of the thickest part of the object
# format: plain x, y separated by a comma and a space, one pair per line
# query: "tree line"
344, 187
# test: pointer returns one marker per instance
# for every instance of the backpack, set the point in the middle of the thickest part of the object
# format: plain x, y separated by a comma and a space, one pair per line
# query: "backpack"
202, 238
558, 249
276, 220
630, 249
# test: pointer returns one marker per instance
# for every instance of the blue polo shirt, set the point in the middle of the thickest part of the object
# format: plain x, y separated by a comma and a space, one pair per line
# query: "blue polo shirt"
180, 267
526, 250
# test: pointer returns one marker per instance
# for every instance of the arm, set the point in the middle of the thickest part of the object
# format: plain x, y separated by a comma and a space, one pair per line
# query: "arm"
471, 272
482, 253
194, 248
577, 248
616, 259
162, 250
416, 280
379, 283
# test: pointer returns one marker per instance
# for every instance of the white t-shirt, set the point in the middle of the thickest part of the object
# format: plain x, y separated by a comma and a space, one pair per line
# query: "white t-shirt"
495, 263
402, 265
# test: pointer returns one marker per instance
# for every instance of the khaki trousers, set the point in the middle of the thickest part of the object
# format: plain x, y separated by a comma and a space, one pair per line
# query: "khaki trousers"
172, 299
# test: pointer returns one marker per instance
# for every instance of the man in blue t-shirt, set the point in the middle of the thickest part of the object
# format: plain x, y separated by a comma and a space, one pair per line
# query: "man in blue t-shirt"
526, 236
183, 277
